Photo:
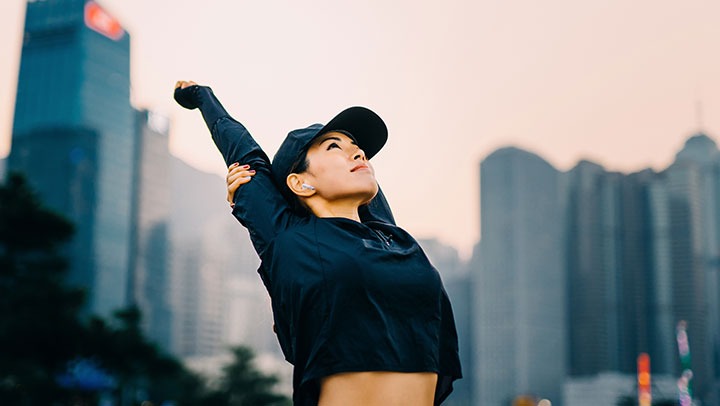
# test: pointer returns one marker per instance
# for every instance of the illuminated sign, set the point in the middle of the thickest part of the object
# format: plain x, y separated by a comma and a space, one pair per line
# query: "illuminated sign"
643, 377
98, 20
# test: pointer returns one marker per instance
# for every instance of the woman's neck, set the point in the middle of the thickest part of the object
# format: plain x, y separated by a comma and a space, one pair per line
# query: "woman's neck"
348, 210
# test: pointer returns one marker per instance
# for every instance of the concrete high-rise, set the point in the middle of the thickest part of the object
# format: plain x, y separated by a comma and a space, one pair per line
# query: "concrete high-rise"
685, 208
635, 269
519, 291
73, 137
593, 260
608, 240
217, 296
456, 280
198, 298
149, 273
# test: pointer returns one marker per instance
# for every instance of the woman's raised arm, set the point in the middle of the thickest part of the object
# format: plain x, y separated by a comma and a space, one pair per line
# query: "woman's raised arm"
259, 205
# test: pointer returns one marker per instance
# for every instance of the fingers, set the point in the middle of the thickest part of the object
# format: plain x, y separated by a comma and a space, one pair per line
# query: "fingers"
236, 171
234, 185
183, 84
237, 176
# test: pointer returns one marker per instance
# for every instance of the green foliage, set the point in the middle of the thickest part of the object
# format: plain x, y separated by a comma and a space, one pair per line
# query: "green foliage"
137, 364
42, 331
39, 328
243, 385
25, 225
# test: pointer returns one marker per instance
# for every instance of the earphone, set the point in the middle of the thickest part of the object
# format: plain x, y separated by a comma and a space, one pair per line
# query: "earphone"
306, 186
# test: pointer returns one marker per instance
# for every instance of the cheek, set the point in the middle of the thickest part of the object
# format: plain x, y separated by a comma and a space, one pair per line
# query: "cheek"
325, 175
325, 170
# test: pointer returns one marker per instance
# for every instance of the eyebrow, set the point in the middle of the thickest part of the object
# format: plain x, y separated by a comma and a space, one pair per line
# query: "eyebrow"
330, 138
335, 138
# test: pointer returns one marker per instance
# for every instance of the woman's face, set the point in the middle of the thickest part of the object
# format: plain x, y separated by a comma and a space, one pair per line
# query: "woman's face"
338, 169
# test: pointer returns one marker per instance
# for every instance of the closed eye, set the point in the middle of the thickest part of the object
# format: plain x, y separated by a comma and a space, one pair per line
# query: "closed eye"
333, 145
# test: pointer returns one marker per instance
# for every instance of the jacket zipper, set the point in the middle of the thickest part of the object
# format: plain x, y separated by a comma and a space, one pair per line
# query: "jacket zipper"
382, 236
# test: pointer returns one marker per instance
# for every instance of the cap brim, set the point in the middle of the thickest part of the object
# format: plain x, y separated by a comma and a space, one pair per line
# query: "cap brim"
368, 129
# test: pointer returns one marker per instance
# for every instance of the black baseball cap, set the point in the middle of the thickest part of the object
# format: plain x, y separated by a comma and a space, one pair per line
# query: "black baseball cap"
365, 126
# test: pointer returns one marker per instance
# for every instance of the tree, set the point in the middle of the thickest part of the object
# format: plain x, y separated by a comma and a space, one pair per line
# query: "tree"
242, 384
38, 323
143, 372
44, 340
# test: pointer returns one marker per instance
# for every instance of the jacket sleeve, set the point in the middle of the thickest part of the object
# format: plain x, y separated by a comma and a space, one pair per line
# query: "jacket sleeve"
377, 210
259, 205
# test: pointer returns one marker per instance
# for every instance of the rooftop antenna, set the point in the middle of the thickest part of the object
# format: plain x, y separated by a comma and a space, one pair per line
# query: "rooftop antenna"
699, 115
699, 109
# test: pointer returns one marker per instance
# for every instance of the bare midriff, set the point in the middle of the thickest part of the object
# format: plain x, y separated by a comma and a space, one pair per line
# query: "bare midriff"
378, 389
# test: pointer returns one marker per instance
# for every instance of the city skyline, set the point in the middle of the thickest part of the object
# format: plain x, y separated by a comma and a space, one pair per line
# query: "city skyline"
578, 272
616, 84
611, 264
148, 233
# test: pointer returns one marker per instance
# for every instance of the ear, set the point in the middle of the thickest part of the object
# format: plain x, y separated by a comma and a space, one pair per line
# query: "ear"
294, 181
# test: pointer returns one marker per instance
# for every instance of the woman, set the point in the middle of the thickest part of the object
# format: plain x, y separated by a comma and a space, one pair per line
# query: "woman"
359, 310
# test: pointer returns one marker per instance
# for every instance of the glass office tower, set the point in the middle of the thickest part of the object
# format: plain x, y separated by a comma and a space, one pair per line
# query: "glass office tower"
593, 246
519, 318
149, 275
73, 136
691, 190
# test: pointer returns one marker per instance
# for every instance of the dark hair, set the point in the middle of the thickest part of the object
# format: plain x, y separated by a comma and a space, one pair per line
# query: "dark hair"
301, 163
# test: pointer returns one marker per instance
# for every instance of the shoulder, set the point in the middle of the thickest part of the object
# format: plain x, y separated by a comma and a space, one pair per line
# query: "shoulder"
293, 241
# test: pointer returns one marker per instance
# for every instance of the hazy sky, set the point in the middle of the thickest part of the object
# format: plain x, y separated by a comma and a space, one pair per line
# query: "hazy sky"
614, 81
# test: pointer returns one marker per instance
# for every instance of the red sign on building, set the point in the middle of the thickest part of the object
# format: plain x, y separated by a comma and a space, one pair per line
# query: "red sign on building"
99, 20
644, 389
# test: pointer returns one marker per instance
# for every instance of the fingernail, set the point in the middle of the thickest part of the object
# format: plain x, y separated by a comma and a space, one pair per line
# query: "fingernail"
246, 166
235, 164
252, 171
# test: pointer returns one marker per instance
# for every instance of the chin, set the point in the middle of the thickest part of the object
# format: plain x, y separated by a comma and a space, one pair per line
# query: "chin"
371, 193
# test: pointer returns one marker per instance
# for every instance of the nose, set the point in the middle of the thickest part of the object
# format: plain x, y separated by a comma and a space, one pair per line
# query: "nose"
359, 154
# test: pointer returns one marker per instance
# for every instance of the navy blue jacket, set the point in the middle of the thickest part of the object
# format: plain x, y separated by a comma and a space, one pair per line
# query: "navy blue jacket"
347, 296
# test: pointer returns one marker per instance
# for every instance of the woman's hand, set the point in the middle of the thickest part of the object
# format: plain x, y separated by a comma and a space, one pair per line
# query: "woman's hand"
237, 175
182, 84
184, 96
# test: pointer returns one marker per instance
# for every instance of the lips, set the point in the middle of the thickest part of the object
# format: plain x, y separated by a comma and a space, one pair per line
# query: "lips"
359, 167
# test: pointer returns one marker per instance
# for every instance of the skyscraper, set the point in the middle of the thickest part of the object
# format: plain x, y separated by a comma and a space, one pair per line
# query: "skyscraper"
636, 268
456, 280
149, 273
73, 136
593, 261
218, 298
689, 194
519, 290
198, 297
608, 241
